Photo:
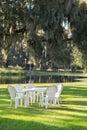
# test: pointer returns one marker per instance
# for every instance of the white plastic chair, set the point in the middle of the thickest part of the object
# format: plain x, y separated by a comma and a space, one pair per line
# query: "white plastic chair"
50, 96
14, 96
31, 94
58, 93
20, 93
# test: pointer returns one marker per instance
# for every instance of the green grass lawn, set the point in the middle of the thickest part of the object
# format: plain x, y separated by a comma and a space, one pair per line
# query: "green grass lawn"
70, 115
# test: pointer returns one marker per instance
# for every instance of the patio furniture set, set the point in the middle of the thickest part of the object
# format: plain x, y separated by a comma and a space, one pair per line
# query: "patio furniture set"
30, 94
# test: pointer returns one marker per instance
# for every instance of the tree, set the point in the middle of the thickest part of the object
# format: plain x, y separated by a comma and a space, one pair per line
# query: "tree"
77, 58
43, 20
79, 27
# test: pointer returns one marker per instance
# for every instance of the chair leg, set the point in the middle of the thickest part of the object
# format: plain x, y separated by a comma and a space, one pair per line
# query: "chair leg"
46, 103
27, 98
25, 101
33, 97
41, 103
37, 96
16, 103
54, 101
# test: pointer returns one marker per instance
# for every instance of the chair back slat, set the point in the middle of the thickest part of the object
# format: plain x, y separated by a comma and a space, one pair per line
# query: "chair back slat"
12, 91
19, 90
51, 90
59, 87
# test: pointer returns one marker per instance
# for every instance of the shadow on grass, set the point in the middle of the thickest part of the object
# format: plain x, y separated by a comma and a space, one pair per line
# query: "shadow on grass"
75, 91
76, 102
12, 124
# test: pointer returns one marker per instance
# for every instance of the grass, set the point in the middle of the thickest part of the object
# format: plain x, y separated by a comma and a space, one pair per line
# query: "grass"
70, 115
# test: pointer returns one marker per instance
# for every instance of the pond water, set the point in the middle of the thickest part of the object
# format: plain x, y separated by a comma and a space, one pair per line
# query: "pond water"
38, 79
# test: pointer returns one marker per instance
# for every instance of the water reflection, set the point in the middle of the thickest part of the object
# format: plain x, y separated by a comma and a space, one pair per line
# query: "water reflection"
52, 79
37, 79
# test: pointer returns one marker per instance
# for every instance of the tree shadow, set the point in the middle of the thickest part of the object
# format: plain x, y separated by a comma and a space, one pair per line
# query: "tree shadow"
12, 124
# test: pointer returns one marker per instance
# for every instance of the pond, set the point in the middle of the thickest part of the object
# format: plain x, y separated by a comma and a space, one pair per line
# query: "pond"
38, 79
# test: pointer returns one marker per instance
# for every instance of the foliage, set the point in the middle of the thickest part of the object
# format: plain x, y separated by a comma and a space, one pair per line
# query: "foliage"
79, 28
77, 60
39, 20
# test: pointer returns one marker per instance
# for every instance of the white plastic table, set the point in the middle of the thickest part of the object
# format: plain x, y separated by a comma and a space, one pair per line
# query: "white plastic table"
38, 92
